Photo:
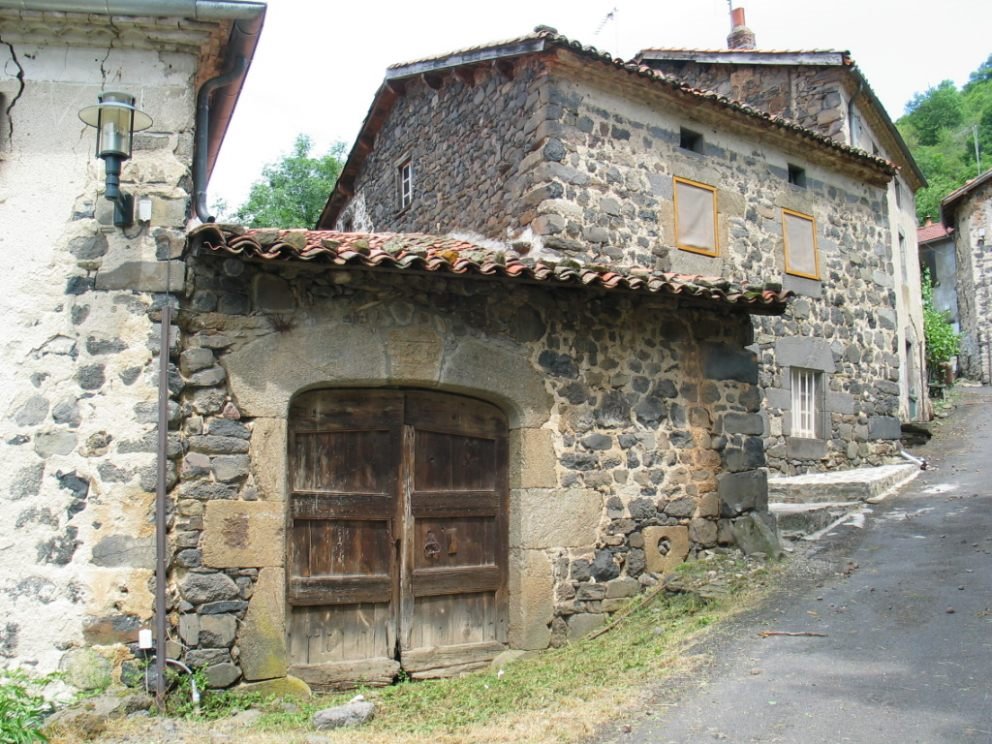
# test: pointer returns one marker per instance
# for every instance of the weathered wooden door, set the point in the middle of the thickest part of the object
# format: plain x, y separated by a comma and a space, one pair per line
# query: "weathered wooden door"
397, 540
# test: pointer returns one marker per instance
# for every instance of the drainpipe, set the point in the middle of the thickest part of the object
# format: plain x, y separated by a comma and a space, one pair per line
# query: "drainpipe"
160, 494
200, 174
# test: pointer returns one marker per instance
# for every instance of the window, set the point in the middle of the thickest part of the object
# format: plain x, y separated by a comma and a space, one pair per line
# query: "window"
797, 176
404, 181
855, 126
799, 231
903, 258
695, 217
805, 397
898, 193
689, 140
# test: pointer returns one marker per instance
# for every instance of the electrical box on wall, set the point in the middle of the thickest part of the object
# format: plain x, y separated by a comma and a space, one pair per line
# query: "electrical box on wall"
144, 209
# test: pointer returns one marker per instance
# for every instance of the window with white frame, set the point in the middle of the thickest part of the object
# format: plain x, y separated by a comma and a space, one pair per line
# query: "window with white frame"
805, 397
404, 182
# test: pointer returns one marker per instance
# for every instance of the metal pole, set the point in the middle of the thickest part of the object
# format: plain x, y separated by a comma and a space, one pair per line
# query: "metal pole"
978, 155
160, 496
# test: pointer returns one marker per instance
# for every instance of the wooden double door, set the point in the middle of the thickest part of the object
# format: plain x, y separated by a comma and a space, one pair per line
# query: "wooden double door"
397, 535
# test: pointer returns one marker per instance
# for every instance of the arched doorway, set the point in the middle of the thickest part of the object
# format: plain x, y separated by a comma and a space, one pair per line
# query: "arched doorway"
397, 539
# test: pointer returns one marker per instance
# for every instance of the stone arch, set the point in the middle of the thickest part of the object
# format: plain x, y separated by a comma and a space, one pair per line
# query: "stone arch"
265, 373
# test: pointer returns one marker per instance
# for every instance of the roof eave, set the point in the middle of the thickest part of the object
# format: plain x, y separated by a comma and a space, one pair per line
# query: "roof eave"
803, 58
949, 203
471, 57
748, 57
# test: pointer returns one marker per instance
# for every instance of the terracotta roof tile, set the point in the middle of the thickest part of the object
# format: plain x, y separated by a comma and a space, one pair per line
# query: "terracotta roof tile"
931, 231
543, 40
642, 70
417, 252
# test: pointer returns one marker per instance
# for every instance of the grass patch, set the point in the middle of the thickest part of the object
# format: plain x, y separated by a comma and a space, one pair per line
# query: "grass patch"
558, 695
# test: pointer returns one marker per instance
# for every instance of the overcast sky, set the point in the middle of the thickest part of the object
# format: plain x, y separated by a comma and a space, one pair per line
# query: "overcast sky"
319, 63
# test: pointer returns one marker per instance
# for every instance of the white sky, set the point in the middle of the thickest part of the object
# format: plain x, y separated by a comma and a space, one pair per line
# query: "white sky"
319, 63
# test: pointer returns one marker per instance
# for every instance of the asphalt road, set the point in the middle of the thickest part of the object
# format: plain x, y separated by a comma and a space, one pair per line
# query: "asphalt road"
905, 608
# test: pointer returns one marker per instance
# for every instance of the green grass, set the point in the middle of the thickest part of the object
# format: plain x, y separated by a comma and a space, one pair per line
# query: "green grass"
646, 642
558, 695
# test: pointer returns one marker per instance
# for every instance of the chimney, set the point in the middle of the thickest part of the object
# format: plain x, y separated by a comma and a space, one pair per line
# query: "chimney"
741, 37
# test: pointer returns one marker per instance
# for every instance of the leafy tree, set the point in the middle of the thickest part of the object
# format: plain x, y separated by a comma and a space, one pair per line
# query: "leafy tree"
940, 127
936, 110
292, 192
942, 342
982, 75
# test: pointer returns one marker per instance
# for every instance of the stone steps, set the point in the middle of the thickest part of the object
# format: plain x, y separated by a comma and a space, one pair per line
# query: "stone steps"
797, 520
842, 486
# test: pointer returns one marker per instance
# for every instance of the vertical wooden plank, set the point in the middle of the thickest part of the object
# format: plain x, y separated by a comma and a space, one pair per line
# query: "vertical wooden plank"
501, 548
407, 540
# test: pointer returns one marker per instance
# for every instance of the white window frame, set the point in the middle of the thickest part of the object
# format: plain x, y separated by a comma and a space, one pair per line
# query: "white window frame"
404, 180
806, 384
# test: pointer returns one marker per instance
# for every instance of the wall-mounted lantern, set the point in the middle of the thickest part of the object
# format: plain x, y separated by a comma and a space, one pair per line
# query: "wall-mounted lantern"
116, 120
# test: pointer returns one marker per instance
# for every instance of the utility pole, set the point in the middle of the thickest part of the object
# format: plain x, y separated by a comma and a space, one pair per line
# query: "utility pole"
978, 155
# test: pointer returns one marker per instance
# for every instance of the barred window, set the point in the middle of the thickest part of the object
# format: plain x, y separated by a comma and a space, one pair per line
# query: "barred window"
805, 396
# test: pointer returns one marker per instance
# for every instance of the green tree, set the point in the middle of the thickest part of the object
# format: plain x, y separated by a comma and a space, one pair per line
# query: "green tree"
931, 113
292, 192
942, 342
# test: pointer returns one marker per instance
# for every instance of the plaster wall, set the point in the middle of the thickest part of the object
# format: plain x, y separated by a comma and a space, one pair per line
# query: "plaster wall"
79, 341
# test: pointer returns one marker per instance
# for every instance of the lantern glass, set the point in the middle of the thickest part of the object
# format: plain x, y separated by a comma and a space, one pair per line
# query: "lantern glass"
116, 119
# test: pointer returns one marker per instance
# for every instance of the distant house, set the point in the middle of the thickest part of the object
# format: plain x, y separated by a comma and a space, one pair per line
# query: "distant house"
824, 91
968, 211
938, 258
583, 158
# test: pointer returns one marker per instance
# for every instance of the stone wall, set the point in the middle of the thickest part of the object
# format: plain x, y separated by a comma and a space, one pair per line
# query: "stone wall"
596, 186
809, 95
818, 98
973, 218
80, 341
631, 425
434, 128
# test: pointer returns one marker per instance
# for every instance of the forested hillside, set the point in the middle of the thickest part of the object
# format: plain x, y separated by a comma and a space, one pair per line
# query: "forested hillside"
942, 127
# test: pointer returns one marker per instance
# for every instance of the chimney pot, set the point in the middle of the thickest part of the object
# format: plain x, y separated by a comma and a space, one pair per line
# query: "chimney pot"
741, 37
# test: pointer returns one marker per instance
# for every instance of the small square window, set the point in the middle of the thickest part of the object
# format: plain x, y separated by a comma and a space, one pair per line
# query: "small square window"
800, 244
806, 393
797, 176
689, 140
695, 217
404, 181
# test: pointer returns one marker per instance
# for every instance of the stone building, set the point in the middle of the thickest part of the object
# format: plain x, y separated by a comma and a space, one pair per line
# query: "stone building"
378, 446
938, 257
824, 91
420, 451
568, 153
968, 212
81, 303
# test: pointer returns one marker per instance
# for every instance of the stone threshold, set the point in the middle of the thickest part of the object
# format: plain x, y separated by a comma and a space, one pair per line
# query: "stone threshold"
841, 486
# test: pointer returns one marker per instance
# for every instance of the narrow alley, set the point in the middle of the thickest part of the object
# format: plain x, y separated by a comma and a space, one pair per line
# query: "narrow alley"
899, 627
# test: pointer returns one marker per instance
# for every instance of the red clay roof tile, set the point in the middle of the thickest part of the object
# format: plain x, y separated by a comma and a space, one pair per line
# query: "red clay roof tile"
931, 231
417, 252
